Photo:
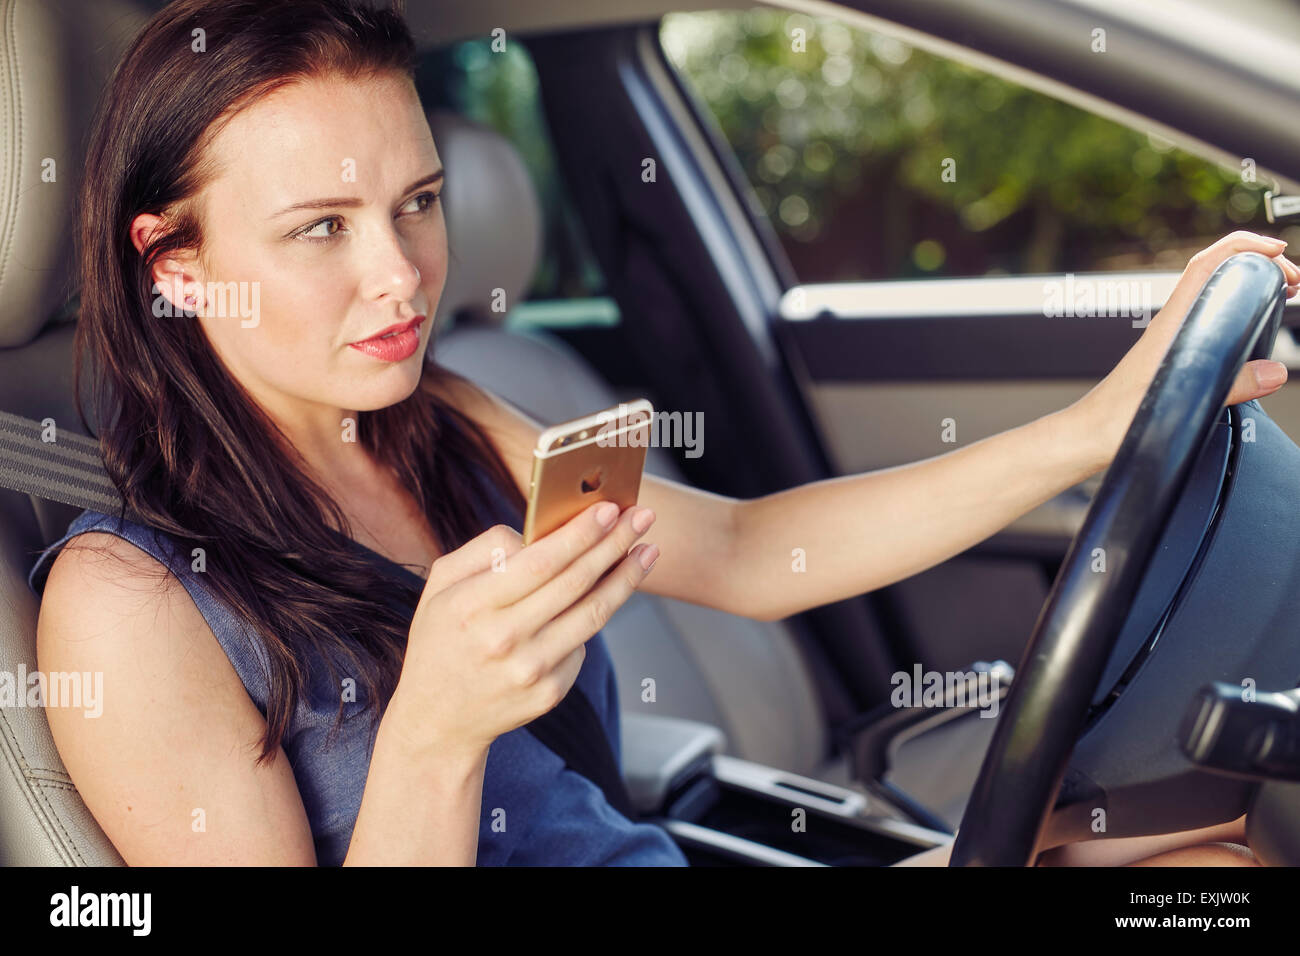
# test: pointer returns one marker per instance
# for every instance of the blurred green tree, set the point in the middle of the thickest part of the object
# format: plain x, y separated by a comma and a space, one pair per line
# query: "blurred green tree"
877, 160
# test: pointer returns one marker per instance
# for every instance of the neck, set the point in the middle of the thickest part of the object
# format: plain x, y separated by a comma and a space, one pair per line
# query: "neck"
329, 442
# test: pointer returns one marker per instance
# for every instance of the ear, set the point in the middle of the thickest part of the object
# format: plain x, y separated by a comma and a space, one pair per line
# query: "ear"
177, 277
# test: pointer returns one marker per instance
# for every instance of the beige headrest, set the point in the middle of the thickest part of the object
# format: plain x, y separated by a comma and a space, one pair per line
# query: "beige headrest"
56, 57
494, 221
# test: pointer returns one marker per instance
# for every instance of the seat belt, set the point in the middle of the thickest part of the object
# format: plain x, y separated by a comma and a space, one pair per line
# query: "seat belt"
41, 460
68, 469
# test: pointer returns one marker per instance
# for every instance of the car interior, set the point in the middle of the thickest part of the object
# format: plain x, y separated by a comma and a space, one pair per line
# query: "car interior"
751, 718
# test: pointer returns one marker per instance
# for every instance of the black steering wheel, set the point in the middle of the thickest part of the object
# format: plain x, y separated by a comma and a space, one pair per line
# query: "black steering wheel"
1235, 318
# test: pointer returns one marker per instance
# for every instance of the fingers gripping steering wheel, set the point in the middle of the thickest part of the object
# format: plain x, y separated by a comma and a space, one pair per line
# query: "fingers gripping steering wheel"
1235, 318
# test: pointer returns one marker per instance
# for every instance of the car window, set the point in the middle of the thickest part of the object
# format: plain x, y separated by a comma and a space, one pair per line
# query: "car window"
876, 160
500, 89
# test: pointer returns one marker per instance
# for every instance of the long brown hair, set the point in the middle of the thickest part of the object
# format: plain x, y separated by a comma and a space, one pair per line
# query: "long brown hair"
189, 450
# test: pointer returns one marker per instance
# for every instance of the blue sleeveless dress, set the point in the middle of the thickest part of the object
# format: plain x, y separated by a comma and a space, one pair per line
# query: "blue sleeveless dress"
536, 811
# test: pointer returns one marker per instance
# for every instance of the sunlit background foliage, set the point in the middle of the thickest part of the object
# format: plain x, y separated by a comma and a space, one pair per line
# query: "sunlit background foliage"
845, 142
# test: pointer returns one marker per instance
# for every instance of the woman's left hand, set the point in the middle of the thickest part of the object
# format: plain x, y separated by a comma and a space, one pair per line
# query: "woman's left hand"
1108, 409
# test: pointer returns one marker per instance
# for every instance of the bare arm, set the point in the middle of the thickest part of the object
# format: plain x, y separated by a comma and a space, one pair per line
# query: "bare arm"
168, 768
417, 809
857, 532
831, 539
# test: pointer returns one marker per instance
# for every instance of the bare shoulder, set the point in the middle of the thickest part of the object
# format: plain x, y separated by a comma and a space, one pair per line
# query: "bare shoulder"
162, 743
103, 586
511, 430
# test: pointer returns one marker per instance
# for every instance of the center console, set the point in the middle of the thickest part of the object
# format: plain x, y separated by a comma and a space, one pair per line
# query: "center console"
724, 811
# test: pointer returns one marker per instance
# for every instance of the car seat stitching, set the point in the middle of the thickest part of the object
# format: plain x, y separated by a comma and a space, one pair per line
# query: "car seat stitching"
41, 807
6, 235
69, 845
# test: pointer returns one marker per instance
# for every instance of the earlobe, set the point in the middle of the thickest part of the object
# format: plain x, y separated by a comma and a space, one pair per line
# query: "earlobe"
176, 288
175, 293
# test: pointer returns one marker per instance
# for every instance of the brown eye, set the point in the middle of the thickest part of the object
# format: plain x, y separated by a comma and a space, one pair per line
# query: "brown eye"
307, 234
426, 200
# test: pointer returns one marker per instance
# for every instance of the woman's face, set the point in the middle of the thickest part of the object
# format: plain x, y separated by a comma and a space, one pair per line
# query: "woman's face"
323, 213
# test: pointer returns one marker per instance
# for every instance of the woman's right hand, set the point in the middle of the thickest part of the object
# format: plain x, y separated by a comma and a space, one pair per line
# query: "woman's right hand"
499, 634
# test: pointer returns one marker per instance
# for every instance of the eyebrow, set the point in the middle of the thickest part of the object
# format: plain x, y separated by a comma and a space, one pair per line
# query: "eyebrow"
352, 201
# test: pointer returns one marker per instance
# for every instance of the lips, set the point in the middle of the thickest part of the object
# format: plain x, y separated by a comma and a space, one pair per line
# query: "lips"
393, 344
394, 329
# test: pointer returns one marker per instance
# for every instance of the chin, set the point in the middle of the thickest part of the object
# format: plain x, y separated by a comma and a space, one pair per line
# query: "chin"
395, 389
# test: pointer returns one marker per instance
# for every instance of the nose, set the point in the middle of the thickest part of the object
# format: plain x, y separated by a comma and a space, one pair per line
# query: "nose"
391, 272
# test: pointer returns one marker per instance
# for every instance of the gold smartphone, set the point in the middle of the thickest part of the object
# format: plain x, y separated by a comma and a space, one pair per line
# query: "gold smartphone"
598, 457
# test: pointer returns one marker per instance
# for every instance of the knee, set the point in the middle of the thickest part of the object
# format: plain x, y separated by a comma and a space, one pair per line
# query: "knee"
1205, 854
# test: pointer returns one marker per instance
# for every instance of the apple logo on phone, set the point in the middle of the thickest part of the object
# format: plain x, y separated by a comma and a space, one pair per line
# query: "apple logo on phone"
592, 480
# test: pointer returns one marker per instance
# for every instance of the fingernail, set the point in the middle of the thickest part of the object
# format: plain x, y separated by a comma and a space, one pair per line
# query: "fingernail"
649, 555
643, 519
1271, 375
607, 514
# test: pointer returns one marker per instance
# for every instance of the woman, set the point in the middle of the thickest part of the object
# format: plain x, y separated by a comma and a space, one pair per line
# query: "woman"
260, 207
